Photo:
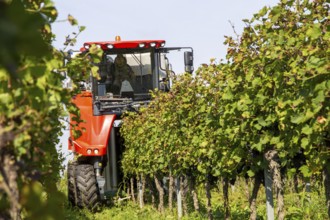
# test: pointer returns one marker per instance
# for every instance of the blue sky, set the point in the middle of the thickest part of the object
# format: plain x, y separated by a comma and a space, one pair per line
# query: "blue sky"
198, 24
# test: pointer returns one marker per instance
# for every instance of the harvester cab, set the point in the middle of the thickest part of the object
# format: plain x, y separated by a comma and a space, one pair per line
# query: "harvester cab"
128, 72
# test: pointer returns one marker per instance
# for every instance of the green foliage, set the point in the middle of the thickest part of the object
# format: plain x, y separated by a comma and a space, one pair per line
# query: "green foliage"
272, 93
31, 107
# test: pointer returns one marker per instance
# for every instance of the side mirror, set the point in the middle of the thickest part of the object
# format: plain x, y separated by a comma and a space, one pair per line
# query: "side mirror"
189, 61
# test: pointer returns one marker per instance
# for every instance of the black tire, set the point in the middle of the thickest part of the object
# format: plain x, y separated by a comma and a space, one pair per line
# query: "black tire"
87, 189
72, 192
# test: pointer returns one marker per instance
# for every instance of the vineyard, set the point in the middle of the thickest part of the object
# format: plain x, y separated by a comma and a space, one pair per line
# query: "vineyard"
221, 144
264, 111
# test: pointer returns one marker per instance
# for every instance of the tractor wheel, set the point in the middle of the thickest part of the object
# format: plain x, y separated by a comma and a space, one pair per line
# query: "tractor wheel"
88, 193
72, 192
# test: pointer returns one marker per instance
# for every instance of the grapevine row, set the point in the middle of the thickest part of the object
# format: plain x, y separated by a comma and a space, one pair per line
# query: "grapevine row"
266, 107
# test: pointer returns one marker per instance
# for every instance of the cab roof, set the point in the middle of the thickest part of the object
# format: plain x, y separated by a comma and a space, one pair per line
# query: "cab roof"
108, 45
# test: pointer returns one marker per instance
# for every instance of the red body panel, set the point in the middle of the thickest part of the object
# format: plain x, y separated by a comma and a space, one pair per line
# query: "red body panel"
95, 129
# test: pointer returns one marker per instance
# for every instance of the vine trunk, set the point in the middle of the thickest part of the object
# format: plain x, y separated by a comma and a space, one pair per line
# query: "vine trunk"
272, 157
327, 185
226, 198
192, 187
253, 199
208, 197
132, 189
160, 193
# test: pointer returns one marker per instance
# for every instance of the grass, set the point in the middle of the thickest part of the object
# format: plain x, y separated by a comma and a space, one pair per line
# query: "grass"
303, 205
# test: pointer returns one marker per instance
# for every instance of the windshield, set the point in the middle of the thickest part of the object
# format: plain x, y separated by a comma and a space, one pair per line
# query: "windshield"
127, 75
